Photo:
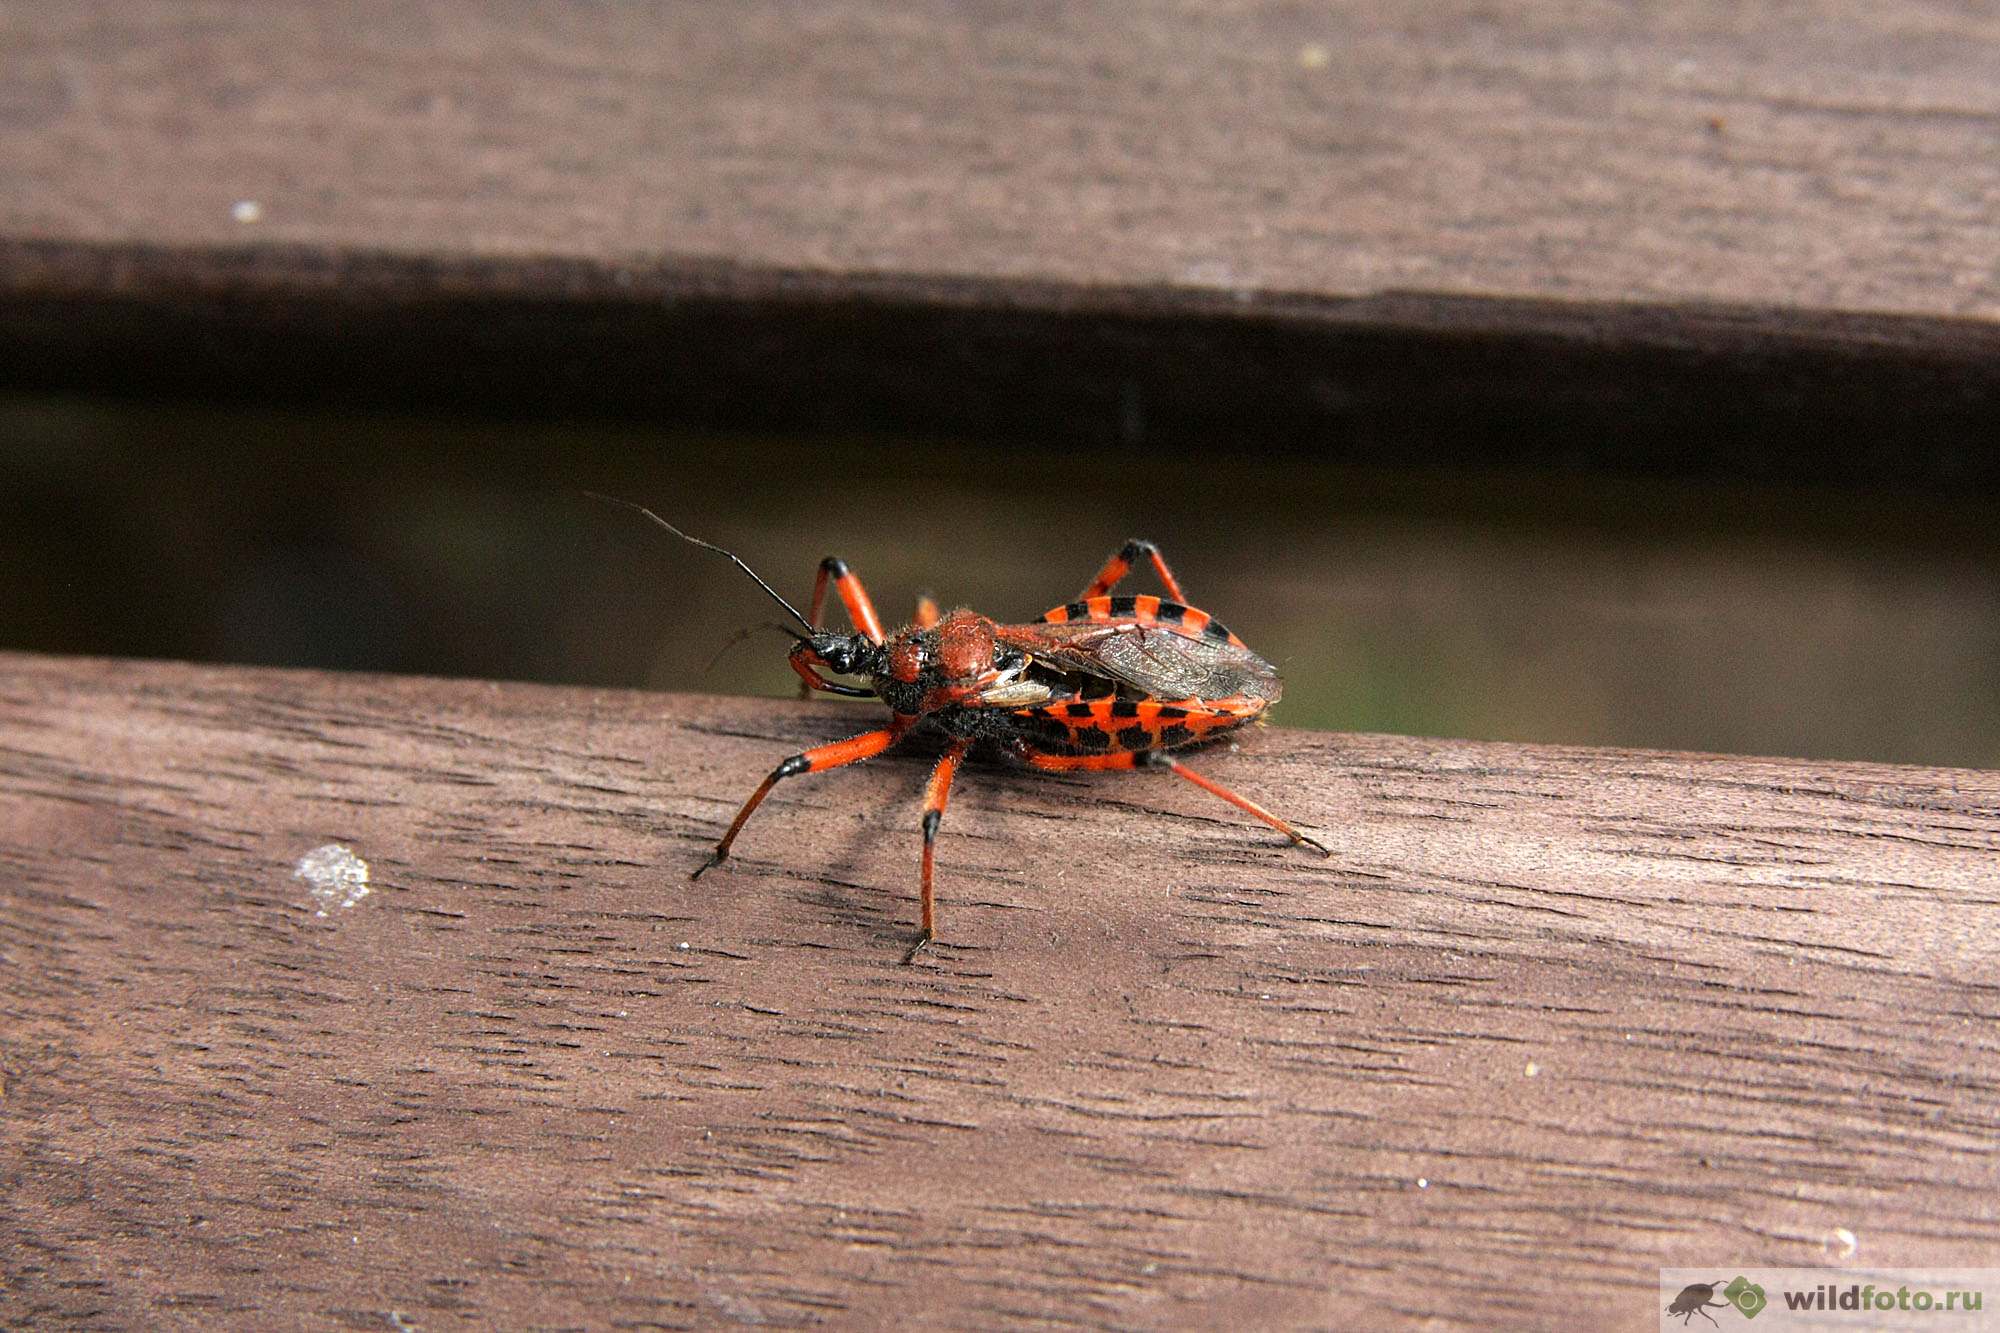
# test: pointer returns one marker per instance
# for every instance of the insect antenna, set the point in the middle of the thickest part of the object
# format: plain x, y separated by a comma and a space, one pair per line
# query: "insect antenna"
711, 546
744, 633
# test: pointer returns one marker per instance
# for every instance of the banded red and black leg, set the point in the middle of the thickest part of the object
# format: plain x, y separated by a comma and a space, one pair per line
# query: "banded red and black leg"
1161, 759
1118, 566
816, 760
935, 796
860, 610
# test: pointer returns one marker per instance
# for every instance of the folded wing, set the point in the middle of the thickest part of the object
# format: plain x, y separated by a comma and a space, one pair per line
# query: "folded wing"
1156, 660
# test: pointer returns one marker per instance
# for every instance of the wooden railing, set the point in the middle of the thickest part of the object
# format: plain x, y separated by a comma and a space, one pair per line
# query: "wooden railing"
1546, 1021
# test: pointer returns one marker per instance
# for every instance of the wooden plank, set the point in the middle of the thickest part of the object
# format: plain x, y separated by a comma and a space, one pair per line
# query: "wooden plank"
1547, 1020
1677, 239
1120, 375
1837, 157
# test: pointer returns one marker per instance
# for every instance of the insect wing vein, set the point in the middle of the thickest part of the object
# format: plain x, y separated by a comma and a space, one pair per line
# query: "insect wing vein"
1155, 660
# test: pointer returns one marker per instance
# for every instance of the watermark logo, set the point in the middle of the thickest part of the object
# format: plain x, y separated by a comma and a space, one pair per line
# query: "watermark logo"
1698, 1298
1797, 1298
1695, 1299
1746, 1296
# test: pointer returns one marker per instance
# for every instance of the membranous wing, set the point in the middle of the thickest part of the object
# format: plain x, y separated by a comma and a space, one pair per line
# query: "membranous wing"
1155, 660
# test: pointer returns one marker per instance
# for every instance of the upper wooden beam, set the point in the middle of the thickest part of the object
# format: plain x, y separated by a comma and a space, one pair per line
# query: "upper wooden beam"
1682, 153
1679, 238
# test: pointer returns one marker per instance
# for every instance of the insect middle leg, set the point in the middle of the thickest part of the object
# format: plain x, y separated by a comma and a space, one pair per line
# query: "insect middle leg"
1118, 566
935, 796
1161, 759
816, 760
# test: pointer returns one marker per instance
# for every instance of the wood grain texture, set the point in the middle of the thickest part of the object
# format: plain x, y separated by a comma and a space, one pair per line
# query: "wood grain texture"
1547, 1020
1822, 155
1678, 238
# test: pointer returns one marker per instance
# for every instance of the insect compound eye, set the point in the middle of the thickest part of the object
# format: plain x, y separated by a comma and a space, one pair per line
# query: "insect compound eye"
838, 654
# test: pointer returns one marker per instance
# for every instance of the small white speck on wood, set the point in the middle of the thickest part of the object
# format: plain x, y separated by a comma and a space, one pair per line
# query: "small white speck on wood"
335, 876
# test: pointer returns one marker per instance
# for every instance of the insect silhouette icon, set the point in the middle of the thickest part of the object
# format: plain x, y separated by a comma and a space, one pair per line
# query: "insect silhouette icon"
1694, 1300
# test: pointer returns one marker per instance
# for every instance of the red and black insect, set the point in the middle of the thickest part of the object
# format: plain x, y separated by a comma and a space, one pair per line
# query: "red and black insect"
1100, 682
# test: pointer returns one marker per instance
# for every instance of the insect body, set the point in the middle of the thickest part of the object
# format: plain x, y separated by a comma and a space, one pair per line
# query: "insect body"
1102, 682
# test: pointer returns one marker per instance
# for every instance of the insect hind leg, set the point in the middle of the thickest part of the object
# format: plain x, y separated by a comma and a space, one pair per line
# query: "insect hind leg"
1118, 566
1161, 759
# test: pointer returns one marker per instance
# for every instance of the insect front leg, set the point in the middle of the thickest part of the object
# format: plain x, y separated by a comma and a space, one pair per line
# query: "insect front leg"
816, 760
935, 796
1161, 759
860, 610
1118, 566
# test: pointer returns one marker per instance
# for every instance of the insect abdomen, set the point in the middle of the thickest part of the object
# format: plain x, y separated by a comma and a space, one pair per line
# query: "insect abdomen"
1113, 726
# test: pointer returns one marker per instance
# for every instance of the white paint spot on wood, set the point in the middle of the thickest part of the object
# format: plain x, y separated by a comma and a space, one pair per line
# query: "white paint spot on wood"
336, 876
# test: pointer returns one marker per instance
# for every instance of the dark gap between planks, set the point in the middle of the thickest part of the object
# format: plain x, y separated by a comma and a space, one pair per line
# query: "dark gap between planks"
1400, 380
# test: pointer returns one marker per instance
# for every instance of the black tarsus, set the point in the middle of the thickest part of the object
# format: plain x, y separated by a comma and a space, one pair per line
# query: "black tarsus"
707, 546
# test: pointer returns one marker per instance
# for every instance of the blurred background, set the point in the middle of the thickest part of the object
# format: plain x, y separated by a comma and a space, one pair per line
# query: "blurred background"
1538, 604
1572, 374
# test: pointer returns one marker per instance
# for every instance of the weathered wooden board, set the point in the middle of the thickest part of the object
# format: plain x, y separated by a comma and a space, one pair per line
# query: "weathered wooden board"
1547, 1020
1835, 155
1682, 238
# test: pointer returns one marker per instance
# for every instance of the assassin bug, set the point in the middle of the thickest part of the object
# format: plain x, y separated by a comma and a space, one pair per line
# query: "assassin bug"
1101, 682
